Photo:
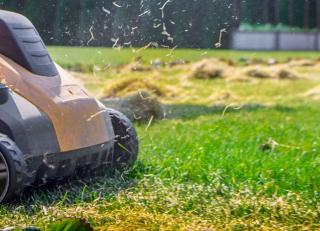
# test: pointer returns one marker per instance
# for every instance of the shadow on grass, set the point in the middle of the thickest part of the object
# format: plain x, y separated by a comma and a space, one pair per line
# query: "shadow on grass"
192, 111
78, 189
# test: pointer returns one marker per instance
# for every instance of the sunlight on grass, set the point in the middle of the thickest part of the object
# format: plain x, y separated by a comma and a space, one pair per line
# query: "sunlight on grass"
68, 56
203, 167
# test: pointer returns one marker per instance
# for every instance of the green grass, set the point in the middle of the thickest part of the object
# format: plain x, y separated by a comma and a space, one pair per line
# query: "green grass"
200, 171
201, 168
69, 56
230, 146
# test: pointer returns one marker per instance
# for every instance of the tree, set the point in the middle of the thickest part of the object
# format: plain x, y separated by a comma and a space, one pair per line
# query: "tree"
66, 22
125, 22
306, 10
41, 14
183, 23
290, 12
318, 14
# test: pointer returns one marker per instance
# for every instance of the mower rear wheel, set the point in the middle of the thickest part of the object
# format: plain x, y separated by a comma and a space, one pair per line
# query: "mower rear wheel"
13, 170
126, 145
4, 177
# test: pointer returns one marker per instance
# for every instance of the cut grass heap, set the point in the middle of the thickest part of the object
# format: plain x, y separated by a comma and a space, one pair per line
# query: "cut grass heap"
140, 106
207, 69
124, 87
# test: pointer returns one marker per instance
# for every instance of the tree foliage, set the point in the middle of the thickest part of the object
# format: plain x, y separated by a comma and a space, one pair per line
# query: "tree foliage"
168, 23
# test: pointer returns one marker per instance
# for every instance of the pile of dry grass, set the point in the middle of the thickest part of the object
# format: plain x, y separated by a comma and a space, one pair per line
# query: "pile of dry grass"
177, 62
251, 61
229, 62
126, 86
140, 106
286, 74
136, 67
207, 69
271, 72
301, 63
259, 73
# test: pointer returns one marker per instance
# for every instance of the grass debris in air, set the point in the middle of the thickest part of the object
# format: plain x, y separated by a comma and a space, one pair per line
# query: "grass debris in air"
232, 153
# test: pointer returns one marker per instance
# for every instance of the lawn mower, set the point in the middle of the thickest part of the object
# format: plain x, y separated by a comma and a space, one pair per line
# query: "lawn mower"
50, 127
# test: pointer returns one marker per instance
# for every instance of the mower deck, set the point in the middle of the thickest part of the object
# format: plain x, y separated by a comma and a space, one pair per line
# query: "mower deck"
61, 165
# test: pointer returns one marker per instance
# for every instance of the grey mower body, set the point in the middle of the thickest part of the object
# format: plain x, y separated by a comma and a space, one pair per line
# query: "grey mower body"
50, 127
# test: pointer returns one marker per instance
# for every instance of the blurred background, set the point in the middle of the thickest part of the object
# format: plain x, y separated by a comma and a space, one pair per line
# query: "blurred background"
186, 24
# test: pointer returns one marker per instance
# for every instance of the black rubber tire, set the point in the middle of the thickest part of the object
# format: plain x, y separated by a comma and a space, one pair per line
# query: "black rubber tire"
19, 178
126, 144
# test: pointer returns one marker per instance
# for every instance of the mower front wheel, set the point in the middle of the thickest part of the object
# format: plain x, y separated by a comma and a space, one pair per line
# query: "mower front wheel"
126, 145
13, 170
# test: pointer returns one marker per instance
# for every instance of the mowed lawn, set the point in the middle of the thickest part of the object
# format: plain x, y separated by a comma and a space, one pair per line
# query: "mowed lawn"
68, 56
253, 165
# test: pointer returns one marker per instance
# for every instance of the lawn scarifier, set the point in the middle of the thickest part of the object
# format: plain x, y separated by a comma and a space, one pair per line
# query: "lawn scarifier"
50, 127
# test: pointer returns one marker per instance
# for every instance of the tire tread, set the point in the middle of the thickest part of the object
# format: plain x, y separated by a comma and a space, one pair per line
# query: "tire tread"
23, 177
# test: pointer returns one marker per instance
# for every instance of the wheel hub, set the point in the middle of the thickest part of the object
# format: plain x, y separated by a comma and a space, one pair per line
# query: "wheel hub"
4, 177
